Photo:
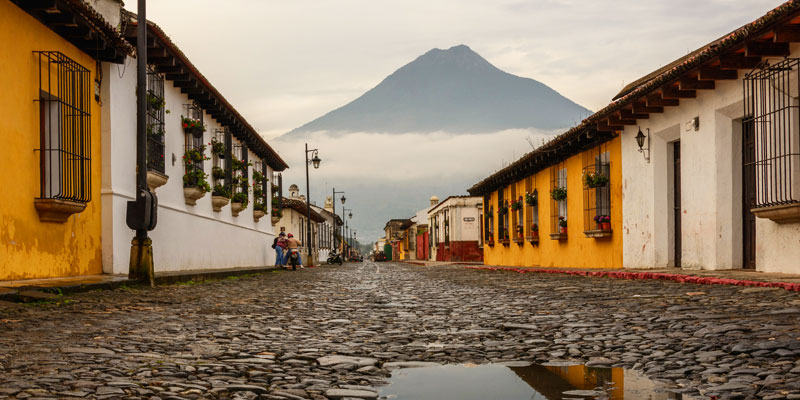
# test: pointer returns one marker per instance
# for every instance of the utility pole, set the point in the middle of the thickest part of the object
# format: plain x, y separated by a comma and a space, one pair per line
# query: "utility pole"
141, 213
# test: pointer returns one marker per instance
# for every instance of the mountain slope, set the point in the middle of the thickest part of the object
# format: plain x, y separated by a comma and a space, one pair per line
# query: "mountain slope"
453, 90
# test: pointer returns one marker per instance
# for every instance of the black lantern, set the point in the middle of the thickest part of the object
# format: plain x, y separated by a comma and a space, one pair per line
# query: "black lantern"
350, 215
315, 161
343, 199
640, 140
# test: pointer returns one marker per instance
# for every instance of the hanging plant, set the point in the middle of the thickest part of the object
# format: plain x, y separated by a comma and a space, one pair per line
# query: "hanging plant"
559, 193
194, 155
516, 206
217, 173
595, 179
531, 199
217, 147
193, 126
154, 102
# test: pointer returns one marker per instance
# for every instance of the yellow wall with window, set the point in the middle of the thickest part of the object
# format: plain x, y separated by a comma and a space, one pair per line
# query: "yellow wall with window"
578, 250
30, 248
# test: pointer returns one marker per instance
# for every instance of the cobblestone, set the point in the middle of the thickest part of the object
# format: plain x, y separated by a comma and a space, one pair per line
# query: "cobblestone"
337, 332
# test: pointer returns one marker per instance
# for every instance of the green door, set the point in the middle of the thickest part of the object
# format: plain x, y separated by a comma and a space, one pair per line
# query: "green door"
387, 249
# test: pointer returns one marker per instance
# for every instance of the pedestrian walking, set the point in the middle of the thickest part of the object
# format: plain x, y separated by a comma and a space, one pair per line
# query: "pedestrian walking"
279, 244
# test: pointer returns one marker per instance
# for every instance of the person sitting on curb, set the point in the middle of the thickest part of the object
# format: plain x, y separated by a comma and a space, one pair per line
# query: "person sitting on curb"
293, 243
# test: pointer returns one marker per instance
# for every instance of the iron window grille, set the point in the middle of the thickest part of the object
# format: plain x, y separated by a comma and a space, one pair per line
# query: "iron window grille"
155, 120
488, 219
240, 176
531, 210
447, 227
64, 128
771, 109
195, 112
219, 162
502, 229
558, 208
596, 188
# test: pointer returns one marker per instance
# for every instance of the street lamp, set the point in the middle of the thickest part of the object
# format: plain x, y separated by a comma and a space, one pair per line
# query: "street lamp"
315, 160
334, 214
345, 229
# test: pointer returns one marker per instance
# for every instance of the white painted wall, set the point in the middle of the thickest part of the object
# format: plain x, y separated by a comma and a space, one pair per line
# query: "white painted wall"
711, 189
459, 209
186, 237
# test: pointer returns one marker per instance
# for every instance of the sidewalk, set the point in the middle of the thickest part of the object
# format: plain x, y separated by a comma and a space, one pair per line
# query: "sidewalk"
737, 277
37, 289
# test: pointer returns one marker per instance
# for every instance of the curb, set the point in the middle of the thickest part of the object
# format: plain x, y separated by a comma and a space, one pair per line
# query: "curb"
18, 294
680, 278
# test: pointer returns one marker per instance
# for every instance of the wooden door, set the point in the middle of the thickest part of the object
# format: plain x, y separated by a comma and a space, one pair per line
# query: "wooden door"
748, 194
676, 188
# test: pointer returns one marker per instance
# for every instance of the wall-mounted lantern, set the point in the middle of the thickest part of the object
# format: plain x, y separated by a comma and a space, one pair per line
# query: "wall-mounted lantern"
640, 139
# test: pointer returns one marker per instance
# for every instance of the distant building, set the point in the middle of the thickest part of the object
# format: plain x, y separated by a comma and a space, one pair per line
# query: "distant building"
455, 229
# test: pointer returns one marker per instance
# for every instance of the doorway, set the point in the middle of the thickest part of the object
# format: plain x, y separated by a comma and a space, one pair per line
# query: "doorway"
676, 190
748, 193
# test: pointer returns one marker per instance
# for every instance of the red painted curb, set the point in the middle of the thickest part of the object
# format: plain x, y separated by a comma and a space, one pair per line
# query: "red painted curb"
701, 280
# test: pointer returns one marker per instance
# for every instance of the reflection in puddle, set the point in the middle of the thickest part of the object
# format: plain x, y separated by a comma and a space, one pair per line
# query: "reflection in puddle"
535, 382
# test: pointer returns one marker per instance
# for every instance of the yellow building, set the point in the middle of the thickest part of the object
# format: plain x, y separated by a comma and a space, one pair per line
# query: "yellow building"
574, 181
50, 208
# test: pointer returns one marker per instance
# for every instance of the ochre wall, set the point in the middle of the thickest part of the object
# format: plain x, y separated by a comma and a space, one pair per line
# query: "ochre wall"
29, 248
578, 251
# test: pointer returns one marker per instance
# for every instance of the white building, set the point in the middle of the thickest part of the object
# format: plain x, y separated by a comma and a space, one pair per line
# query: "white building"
716, 183
455, 229
195, 230
327, 230
294, 214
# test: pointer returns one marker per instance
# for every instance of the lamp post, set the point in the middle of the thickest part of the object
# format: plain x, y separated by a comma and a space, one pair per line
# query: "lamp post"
315, 160
334, 213
345, 231
355, 242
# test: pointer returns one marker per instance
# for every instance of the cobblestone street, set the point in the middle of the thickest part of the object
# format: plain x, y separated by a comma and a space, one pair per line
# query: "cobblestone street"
290, 335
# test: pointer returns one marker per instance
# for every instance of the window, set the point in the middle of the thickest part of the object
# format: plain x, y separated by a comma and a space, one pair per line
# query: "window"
558, 200
155, 120
596, 191
65, 135
488, 219
502, 212
773, 113
447, 226
531, 208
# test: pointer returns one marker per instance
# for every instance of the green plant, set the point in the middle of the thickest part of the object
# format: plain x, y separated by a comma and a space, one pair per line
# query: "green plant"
260, 207
516, 205
217, 147
559, 193
196, 178
217, 173
531, 198
595, 179
562, 222
277, 212
191, 125
240, 198
194, 155
221, 190
154, 132
155, 102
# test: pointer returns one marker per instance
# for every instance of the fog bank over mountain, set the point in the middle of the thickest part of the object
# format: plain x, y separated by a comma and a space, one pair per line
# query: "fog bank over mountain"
454, 90
393, 176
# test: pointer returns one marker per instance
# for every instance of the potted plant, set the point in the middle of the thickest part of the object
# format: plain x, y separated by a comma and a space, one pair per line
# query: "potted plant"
516, 205
531, 198
259, 210
559, 193
238, 203
606, 223
595, 179
220, 196
535, 230
562, 223
195, 185
217, 173
276, 215
218, 148
193, 126
520, 231
501, 210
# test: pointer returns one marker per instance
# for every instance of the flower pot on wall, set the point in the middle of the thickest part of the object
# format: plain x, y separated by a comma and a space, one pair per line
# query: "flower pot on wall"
192, 194
236, 208
563, 229
257, 214
606, 226
218, 202
197, 131
155, 180
275, 220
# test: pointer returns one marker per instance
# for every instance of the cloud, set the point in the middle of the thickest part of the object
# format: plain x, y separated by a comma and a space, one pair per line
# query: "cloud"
392, 176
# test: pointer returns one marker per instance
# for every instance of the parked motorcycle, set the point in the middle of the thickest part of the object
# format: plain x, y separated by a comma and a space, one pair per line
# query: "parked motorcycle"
294, 258
334, 258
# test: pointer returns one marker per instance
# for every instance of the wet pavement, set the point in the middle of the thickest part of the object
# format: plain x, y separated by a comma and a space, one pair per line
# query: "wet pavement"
341, 332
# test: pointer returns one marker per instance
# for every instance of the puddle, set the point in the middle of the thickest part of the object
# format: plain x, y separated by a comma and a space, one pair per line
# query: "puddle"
534, 382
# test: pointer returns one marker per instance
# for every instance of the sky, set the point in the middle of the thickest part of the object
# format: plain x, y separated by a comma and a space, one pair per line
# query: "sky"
285, 63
